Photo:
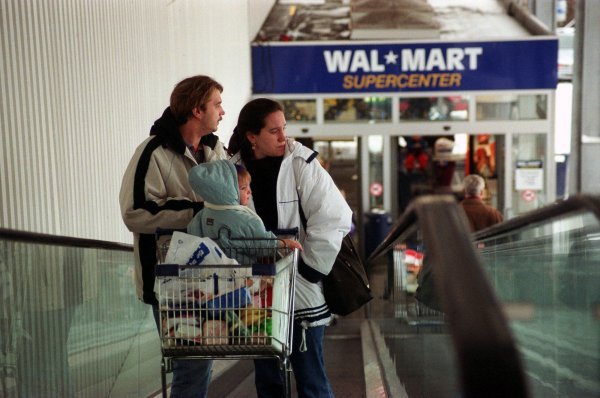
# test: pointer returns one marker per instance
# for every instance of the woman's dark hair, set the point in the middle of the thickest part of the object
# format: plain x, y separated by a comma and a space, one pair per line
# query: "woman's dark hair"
251, 120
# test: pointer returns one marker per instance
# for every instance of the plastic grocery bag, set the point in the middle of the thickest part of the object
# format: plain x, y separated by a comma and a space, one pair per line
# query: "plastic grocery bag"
203, 280
186, 249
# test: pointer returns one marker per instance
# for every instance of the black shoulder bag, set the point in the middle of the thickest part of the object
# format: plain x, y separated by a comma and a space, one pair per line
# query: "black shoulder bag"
346, 287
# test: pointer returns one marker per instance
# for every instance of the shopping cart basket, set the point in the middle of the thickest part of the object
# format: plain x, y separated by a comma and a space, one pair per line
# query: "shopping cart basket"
224, 311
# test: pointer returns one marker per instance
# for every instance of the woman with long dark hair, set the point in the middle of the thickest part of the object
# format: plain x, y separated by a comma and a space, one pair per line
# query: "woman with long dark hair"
286, 180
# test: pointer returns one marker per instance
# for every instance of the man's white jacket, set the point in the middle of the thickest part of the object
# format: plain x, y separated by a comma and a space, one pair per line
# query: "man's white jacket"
155, 193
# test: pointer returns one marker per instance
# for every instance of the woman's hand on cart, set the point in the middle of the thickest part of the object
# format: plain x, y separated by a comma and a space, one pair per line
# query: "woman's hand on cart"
290, 244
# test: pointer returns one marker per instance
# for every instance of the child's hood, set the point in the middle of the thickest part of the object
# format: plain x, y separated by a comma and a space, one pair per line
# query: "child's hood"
216, 182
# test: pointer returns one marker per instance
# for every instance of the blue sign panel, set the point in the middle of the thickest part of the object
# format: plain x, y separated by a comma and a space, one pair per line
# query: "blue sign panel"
411, 67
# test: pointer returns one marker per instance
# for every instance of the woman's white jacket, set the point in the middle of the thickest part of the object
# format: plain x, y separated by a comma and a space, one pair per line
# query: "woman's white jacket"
301, 177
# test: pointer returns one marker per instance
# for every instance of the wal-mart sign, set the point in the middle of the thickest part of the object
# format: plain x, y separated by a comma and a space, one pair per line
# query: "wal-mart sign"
391, 67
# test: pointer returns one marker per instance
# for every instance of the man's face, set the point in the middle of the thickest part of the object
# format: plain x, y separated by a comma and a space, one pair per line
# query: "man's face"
212, 114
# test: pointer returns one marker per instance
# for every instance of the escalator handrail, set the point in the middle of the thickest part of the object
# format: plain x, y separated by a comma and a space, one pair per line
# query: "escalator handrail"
569, 205
57, 240
476, 323
490, 363
488, 359
406, 222
561, 207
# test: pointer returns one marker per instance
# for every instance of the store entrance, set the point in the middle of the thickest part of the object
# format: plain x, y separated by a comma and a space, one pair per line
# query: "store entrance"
437, 164
380, 175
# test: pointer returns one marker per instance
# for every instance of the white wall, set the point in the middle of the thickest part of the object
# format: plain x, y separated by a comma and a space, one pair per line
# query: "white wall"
81, 82
257, 14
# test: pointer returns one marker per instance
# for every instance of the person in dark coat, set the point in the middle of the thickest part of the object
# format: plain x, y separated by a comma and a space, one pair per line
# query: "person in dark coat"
155, 193
479, 214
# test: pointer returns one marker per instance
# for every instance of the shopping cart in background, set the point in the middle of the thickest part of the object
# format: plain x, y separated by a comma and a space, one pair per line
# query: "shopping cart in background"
219, 310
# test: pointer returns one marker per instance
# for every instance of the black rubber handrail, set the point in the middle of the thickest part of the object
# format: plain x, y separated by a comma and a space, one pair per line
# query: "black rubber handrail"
56, 240
580, 202
489, 362
574, 203
405, 224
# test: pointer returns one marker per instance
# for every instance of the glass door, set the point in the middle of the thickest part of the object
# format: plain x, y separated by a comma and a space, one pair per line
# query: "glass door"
437, 164
528, 173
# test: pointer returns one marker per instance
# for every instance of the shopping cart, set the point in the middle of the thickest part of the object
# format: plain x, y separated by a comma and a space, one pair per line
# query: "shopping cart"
225, 311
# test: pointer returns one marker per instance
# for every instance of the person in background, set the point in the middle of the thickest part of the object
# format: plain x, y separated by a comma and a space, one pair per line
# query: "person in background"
155, 193
286, 180
479, 214
444, 166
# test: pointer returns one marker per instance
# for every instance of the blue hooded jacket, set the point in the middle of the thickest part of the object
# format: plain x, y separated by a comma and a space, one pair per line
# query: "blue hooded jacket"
237, 229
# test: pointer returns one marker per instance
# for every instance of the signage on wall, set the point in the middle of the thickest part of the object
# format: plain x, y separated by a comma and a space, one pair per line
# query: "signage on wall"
376, 189
280, 68
528, 195
529, 175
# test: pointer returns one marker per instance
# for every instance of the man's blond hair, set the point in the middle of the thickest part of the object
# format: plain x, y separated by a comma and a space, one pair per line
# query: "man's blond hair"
190, 93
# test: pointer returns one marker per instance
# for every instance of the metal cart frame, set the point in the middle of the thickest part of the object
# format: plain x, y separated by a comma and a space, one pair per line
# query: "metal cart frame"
208, 311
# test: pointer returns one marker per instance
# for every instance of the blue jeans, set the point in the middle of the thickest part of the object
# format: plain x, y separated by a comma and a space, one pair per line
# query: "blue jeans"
190, 377
308, 366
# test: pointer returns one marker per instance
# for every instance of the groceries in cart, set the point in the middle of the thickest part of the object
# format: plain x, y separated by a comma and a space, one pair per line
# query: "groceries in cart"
207, 298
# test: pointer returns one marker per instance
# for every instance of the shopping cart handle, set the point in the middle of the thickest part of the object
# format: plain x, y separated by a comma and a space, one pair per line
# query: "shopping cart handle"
167, 270
167, 231
264, 269
287, 231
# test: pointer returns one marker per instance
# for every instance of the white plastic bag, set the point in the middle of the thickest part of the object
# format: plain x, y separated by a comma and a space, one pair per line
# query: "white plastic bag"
186, 249
197, 283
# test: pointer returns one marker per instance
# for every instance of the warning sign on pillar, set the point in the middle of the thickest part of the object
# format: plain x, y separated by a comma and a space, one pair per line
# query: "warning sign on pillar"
376, 189
528, 195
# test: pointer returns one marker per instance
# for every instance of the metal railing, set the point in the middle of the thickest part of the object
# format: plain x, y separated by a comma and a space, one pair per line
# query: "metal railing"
545, 270
70, 323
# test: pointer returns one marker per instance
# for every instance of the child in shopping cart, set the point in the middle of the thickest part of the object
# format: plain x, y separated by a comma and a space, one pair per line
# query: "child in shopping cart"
239, 231
226, 218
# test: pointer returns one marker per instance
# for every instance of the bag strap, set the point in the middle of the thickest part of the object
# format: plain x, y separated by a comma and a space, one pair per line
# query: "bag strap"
302, 215
300, 210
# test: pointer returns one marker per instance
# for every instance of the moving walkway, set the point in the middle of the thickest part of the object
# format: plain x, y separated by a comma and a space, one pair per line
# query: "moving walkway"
513, 310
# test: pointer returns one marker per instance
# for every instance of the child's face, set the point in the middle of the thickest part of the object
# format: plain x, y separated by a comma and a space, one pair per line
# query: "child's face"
245, 190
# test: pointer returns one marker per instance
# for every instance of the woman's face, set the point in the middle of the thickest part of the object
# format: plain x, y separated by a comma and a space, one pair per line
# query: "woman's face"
270, 141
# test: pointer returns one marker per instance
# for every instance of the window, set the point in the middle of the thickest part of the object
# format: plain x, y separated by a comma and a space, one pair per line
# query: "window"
512, 107
300, 110
350, 110
434, 108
